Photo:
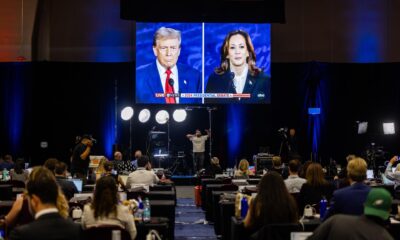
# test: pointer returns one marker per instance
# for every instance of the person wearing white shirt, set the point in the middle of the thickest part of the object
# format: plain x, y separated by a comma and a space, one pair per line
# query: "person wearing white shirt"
199, 148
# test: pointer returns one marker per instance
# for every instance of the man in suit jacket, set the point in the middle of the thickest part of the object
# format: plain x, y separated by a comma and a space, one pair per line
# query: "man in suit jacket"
48, 224
165, 76
350, 200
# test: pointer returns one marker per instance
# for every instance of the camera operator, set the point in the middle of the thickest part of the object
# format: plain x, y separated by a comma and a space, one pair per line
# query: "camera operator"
80, 157
288, 148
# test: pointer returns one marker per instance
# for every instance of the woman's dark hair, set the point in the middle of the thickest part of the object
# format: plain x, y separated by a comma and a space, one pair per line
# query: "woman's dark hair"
273, 203
51, 164
108, 166
19, 166
105, 198
251, 60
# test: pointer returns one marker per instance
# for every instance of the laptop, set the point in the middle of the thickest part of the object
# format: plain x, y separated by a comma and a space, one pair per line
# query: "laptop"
370, 174
300, 235
78, 183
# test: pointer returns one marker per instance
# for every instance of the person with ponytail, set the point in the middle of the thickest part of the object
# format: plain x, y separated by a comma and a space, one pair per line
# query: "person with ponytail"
105, 210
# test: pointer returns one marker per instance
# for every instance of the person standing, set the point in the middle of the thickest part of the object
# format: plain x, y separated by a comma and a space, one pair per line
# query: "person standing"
199, 147
80, 157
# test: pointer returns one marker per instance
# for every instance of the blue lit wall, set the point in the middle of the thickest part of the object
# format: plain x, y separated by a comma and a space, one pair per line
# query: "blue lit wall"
235, 124
13, 103
366, 31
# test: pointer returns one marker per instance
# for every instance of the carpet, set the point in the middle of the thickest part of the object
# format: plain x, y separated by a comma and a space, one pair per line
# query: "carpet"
190, 222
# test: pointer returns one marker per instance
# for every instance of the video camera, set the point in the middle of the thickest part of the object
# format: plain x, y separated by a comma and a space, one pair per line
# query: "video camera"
88, 136
283, 132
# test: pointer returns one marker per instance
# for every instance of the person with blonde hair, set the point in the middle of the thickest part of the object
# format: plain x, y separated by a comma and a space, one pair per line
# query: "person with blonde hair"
349, 200
243, 169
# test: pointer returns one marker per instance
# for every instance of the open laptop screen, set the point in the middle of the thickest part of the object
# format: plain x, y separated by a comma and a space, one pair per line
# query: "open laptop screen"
370, 174
78, 183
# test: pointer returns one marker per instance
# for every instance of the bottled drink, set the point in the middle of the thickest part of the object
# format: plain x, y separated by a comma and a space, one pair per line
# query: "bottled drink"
243, 207
139, 211
322, 207
146, 211
116, 235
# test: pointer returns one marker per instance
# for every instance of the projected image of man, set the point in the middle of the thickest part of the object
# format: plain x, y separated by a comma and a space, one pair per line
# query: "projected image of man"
165, 75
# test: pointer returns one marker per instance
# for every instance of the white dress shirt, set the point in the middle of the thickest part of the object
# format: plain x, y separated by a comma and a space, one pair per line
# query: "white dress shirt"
240, 80
174, 75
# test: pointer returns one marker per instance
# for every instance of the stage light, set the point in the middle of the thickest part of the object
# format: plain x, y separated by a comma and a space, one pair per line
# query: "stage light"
127, 113
362, 127
162, 117
144, 115
388, 128
314, 111
179, 115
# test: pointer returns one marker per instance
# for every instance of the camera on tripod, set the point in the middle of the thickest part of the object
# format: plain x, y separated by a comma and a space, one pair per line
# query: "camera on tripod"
283, 132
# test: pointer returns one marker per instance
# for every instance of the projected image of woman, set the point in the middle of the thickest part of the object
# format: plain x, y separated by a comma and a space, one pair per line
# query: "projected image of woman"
238, 72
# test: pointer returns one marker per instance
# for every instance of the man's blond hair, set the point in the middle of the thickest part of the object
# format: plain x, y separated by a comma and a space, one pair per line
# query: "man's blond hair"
357, 169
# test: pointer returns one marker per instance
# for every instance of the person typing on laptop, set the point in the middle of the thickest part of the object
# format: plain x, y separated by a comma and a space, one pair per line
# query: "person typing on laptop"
393, 176
67, 186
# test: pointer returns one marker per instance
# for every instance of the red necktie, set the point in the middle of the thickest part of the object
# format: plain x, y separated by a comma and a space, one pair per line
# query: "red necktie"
169, 89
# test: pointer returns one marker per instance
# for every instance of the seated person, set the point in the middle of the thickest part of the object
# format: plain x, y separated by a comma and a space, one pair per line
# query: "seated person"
342, 178
393, 176
370, 225
100, 169
108, 168
43, 197
121, 166
142, 175
278, 167
315, 188
294, 182
19, 173
67, 187
350, 200
105, 210
243, 170
273, 204
214, 167
20, 214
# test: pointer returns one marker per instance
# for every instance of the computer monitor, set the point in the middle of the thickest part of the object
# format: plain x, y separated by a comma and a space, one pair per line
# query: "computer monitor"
78, 183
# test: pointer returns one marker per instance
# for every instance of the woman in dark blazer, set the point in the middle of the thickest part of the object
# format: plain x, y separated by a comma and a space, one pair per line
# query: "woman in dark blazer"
238, 72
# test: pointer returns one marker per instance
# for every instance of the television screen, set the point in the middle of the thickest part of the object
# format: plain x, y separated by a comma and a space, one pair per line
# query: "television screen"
197, 63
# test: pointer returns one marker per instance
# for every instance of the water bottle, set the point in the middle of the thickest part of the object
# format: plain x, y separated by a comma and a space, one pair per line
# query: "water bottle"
322, 207
243, 207
116, 235
147, 211
139, 211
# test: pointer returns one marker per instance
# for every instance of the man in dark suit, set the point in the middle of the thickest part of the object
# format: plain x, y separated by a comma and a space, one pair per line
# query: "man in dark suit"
165, 80
350, 200
48, 224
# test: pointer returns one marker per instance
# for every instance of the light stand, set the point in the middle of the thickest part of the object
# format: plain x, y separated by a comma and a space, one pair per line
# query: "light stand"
168, 139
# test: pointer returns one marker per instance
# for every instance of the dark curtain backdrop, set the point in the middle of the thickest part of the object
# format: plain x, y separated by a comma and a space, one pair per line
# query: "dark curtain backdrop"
55, 101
